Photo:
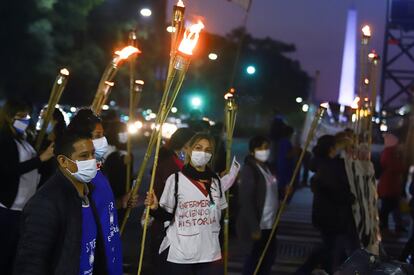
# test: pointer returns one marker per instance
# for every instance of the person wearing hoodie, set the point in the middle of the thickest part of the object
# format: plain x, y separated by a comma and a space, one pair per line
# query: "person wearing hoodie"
258, 202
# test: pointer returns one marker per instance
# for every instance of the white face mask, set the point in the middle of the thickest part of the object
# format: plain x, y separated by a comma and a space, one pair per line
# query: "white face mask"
123, 137
101, 147
87, 170
262, 155
200, 158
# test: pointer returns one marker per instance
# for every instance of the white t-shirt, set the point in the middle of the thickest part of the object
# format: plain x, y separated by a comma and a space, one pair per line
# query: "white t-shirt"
271, 203
29, 181
193, 235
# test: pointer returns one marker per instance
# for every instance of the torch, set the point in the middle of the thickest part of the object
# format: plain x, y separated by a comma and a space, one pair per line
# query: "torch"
134, 98
181, 61
374, 60
102, 92
318, 115
54, 97
363, 81
230, 112
175, 79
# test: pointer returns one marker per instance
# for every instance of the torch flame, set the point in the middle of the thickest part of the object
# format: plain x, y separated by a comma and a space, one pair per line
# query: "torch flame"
127, 52
64, 72
366, 31
372, 55
190, 39
180, 3
139, 82
355, 103
325, 105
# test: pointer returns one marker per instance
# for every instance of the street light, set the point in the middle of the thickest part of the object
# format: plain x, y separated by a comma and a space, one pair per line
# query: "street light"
251, 70
174, 110
305, 107
299, 99
212, 56
196, 102
145, 12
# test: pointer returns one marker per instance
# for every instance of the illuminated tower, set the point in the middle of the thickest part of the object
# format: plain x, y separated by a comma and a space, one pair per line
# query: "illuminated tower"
347, 84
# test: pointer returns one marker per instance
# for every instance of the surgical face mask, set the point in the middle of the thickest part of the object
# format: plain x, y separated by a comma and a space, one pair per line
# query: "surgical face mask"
123, 137
101, 147
87, 170
21, 125
262, 155
200, 158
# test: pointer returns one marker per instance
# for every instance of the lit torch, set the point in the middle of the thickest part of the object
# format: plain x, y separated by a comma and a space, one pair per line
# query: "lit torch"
374, 61
180, 62
109, 75
318, 115
230, 113
54, 98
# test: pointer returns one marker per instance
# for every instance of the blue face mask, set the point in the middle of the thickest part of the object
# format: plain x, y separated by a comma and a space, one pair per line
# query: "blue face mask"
20, 125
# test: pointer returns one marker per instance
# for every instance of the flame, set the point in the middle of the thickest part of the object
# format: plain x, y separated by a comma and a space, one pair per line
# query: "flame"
109, 83
228, 95
325, 105
180, 3
64, 72
366, 31
372, 55
126, 52
366, 81
355, 103
139, 82
190, 39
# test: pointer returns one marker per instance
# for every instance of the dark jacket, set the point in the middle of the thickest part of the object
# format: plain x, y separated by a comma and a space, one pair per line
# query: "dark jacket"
332, 198
11, 168
390, 184
114, 169
252, 194
51, 232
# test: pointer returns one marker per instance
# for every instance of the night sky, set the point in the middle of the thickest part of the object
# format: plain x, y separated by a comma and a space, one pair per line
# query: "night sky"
316, 27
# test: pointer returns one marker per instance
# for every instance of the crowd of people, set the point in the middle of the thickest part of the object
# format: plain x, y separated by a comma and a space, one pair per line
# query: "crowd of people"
60, 207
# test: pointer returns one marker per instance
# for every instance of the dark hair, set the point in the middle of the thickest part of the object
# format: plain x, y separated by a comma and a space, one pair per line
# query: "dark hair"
64, 143
60, 125
84, 122
11, 108
180, 138
256, 142
324, 145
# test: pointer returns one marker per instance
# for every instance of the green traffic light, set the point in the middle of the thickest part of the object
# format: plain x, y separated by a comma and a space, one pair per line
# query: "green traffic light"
196, 102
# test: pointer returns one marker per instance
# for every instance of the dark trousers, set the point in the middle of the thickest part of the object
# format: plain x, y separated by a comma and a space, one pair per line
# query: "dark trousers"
409, 246
9, 236
253, 257
389, 205
339, 248
211, 268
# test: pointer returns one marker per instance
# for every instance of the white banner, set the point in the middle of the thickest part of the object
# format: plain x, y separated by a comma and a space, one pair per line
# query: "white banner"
361, 177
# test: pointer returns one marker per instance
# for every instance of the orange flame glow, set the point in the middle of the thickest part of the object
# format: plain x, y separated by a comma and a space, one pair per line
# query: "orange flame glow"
355, 103
366, 31
127, 52
190, 39
64, 72
180, 3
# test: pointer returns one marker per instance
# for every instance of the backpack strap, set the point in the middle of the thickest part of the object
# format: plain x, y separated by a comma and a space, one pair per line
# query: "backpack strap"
176, 176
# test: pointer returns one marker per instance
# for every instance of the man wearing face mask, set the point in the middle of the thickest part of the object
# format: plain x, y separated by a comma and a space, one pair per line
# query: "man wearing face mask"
86, 122
19, 164
60, 224
258, 202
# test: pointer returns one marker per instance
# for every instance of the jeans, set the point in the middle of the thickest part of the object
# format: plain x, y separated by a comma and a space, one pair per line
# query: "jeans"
253, 258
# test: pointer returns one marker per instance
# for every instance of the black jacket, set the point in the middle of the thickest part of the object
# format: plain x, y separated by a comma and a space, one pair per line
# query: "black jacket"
11, 168
332, 200
252, 195
51, 232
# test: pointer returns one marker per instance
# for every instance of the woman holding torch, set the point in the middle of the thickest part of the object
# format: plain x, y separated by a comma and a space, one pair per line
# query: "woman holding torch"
192, 201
